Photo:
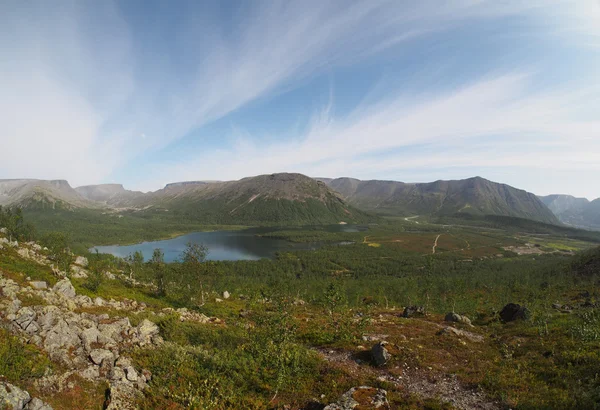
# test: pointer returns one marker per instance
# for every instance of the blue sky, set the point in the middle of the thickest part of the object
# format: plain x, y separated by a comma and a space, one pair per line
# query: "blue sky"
150, 92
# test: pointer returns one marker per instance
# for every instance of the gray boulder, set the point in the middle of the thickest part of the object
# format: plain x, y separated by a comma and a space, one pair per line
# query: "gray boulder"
65, 288
98, 356
145, 331
380, 354
38, 284
455, 317
363, 397
13, 398
37, 404
81, 261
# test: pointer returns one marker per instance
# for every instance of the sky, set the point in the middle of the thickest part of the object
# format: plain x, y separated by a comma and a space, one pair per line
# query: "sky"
146, 92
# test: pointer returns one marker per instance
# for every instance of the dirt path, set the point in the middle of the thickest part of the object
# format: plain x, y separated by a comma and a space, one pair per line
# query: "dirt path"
435, 244
446, 388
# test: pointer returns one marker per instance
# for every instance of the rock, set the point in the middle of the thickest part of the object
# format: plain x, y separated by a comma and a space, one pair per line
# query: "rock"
380, 354
411, 311
99, 301
79, 272
361, 398
65, 288
100, 355
37, 404
117, 374
81, 261
131, 374
145, 331
218, 300
109, 275
455, 317
473, 337
25, 318
122, 396
13, 398
91, 373
147, 374
513, 311
38, 284
89, 336
226, 295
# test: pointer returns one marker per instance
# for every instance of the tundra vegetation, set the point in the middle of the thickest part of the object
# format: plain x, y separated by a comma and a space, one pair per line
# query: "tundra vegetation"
297, 331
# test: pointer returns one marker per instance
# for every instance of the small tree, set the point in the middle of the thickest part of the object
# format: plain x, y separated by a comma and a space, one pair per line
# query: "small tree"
191, 267
58, 247
136, 262
97, 267
158, 267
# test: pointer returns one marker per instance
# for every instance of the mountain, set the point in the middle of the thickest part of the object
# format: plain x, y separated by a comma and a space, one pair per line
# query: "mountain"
288, 198
476, 196
578, 212
109, 194
34, 193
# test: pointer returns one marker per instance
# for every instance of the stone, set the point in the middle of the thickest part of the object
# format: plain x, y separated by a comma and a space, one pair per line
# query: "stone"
513, 311
146, 330
218, 300
226, 295
380, 354
81, 261
65, 288
131, 374
122, 396
89, 336
411, 311
117, 374
455, 317
99, 301
12, 397
449, 330
100, 355
38, 284
91, 373
37, 404
25, 318
362, 397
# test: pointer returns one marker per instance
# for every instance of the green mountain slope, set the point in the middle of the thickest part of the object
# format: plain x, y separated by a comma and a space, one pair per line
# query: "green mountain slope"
265, 199
475, 196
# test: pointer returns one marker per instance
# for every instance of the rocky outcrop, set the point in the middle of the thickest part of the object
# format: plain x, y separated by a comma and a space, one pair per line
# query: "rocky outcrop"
412, 311
472, 337
13, 398
362, 397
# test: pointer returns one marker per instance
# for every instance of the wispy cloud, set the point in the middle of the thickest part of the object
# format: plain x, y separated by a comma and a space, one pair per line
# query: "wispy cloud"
85, 89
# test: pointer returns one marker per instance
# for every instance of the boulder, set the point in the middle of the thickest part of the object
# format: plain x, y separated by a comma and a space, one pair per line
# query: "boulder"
455, 317
145, 331
122, 396
226, 295
25, 319
361, 398
38, 284
100, 355
37, 404
13, 398
65, 288
449, 330
411, 311
89, 336
90, 373
380, 354
513, 311
131, 374
81, 261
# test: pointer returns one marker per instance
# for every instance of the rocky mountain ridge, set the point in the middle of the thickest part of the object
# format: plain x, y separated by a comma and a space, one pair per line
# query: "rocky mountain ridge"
577, 212
476, 196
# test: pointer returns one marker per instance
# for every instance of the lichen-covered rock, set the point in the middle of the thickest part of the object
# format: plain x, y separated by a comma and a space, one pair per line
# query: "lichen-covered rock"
455, 317
122, 396
37, 404
81, 261
38, 284
380, 354
362, 397
100, 355
65, 288
449, 330
145, 331
13, 398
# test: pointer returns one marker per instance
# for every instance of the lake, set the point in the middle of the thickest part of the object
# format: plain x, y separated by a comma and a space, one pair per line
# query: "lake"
223, 245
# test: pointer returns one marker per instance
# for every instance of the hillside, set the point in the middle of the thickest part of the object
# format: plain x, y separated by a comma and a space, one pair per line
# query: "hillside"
578, 212
266, 199
109, 194
35, 194
475, 196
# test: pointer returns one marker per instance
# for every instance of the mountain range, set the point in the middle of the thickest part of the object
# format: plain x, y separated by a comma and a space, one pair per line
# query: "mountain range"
577, 212
289, 198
